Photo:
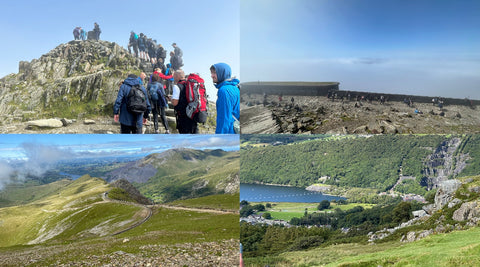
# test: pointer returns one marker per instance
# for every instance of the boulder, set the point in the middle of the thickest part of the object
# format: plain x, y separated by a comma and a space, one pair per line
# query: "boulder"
87, 122
48, 123
445, 192
467, 211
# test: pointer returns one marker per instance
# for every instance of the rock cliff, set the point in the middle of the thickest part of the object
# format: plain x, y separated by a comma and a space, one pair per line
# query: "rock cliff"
74, 80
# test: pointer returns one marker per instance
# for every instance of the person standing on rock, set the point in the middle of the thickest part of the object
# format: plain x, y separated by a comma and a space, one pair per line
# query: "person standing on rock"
130, 123
96, 31
228, 98
83, 34
185, 125
76, 33
132, 42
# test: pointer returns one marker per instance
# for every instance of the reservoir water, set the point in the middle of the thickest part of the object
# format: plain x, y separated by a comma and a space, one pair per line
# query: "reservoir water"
274, 193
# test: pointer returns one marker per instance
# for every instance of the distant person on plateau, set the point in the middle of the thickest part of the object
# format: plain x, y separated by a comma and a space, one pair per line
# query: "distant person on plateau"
96, 31
132, 106
76, 33
83, 34
228, 98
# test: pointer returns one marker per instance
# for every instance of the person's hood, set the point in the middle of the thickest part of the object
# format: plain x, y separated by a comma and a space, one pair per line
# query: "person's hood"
233, 82
223, 72
130, 81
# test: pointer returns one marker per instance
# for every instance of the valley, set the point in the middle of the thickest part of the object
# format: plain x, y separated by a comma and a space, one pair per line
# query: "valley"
53, 220
409, 200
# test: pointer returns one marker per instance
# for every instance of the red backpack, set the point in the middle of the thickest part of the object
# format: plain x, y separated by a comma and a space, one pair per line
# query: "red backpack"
196, 98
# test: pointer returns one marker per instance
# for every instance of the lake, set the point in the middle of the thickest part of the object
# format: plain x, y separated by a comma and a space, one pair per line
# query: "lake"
275, 193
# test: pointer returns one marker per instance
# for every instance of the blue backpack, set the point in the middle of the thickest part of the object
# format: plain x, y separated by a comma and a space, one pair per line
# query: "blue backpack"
153, 92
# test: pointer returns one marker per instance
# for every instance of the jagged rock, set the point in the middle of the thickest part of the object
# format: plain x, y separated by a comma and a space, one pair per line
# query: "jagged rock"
445, 193
467, 211
67, 78
361, 130
419, 213
454, 202
475, 189
410, 237
48, 123
424, 234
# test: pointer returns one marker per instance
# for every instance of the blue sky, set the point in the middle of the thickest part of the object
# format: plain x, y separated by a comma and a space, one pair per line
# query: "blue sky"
422, 47
21, 146
207, 31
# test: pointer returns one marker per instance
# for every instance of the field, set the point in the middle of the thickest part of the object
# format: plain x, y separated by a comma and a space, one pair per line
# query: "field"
287, 210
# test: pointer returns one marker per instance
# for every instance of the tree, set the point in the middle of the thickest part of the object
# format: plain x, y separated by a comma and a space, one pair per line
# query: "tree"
244, 203
267, 215
268, 205
402, 212
246, 211
324, 204
259, 207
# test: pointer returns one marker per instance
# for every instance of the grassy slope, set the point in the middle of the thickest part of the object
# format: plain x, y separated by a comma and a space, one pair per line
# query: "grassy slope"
182, 173
65, 214
165, 227
459, 248
21, 194
219, 202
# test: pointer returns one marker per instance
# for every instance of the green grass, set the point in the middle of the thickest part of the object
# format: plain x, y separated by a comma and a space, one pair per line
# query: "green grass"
287, 210
218, 202
25, 193
460, 248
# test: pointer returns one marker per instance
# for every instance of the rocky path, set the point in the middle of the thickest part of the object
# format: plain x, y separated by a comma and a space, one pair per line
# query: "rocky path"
317, 114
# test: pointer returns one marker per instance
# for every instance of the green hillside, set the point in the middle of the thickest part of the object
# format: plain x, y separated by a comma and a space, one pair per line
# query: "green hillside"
67, 213
188, 173
362, 161
460, 248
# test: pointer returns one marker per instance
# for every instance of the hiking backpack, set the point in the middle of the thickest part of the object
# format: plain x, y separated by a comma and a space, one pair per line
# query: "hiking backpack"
196, 96
136, 100
152, 91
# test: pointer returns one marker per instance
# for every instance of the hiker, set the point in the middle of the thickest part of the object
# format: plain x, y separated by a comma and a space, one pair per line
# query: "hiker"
185, 125
129, 110
76, 33
132, 42
96, 31
142, 77
175, 61
83, 34
228, 98
161, 54
158, 101
178, 52
151, 50
292, 100
141, 46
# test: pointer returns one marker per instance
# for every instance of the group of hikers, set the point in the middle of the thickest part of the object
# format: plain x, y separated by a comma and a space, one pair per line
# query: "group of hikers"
148, 50
135, 102
79, 33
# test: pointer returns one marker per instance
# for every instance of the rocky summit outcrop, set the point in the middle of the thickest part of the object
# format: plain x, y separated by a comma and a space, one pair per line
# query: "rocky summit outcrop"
320, 115
79, 79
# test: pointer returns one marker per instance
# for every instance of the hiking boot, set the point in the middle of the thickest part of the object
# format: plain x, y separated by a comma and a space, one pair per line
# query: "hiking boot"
156, 131
167, 132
